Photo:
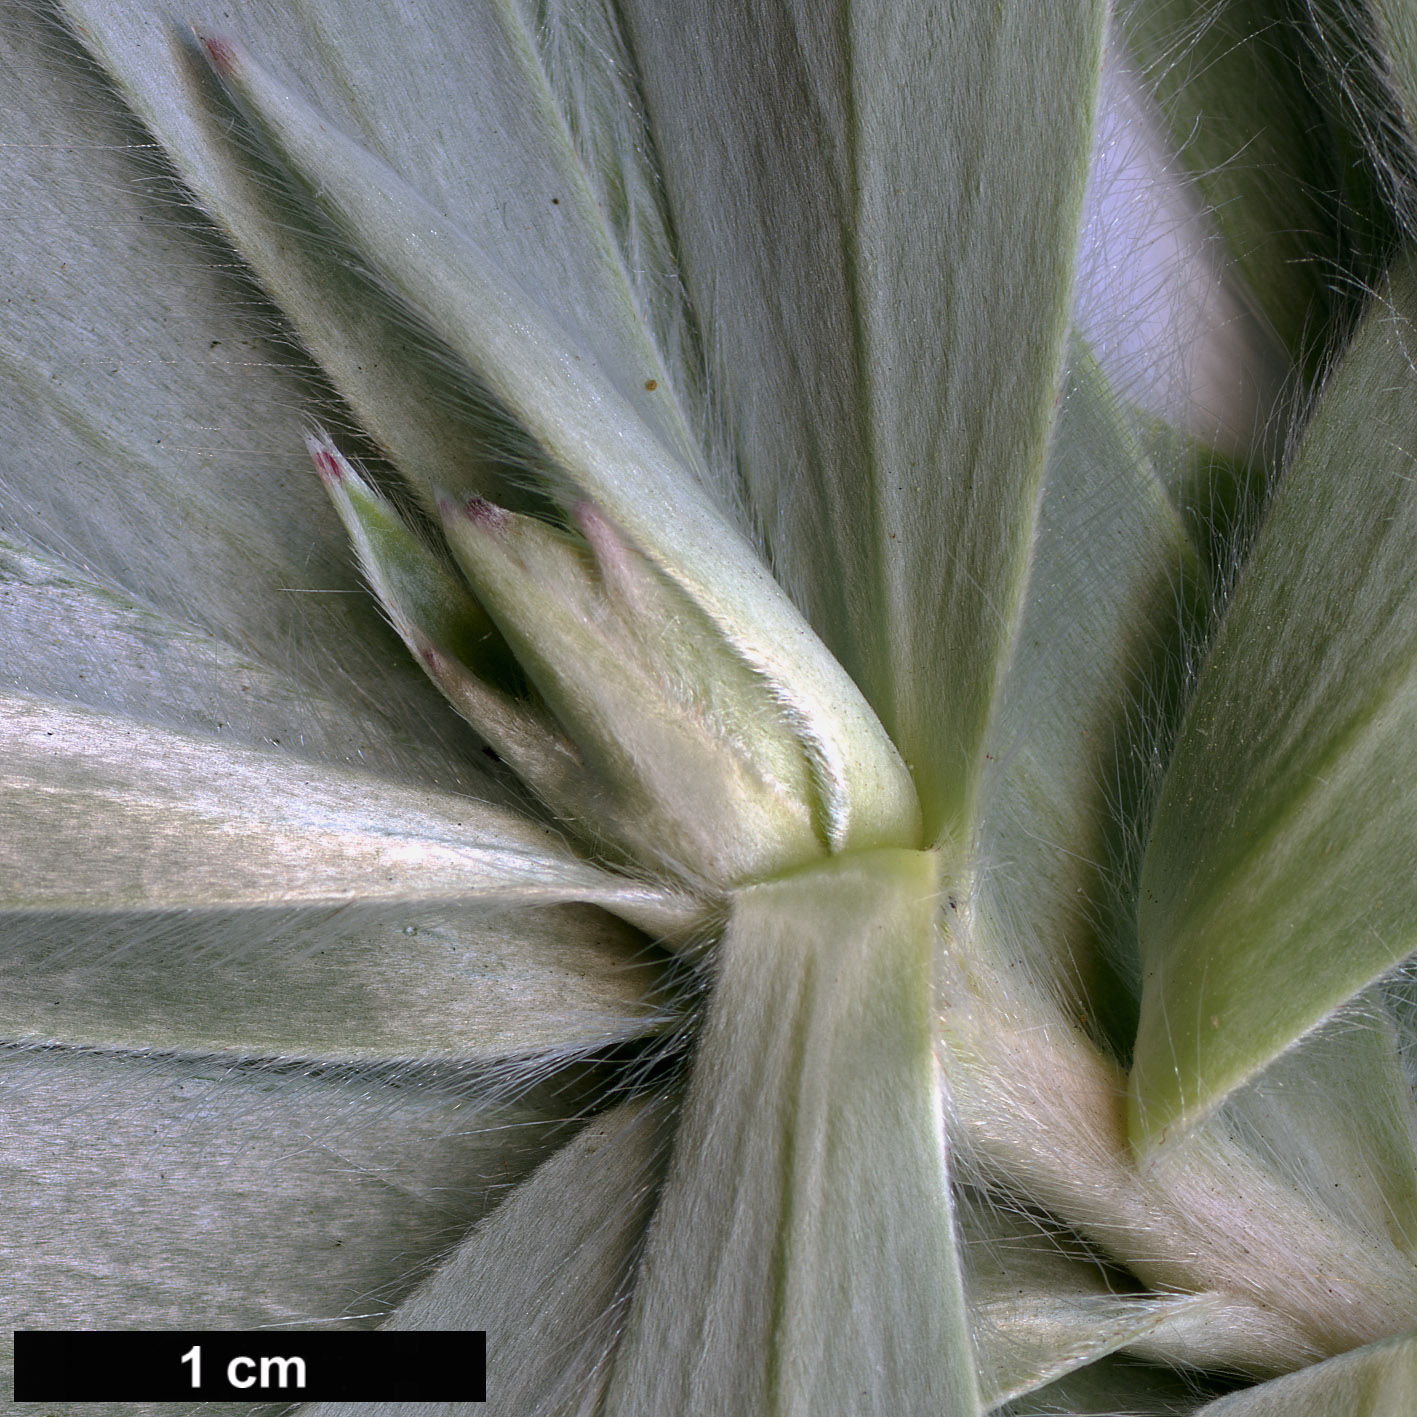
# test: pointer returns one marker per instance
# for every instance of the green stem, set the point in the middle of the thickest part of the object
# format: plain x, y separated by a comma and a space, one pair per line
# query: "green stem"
802, 1258
1043, 1115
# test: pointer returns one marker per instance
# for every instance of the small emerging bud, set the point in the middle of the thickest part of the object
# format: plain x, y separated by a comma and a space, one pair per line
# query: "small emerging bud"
699, 768
449, 633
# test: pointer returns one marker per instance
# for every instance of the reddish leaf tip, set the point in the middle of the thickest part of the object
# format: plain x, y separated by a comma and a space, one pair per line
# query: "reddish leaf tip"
326, 464
484, 513
588, 517
605, 542
223, 53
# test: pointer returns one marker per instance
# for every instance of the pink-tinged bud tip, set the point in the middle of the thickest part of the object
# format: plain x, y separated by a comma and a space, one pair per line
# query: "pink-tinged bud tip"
483, 513
326, 465
428, 654
605, 542
477, 510
223, 53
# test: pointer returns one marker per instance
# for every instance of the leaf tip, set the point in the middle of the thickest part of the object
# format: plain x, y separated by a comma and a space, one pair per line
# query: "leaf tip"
326, 460
612, 556
481, 513
432, 658
223, 54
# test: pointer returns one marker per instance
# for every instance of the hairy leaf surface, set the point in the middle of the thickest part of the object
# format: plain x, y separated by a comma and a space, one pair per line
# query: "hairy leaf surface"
1278, 879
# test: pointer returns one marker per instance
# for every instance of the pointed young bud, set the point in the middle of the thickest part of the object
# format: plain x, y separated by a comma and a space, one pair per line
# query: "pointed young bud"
422, 596
699, 766
449, 633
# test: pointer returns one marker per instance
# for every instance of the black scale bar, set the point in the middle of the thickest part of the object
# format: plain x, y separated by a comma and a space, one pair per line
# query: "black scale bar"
260, 1366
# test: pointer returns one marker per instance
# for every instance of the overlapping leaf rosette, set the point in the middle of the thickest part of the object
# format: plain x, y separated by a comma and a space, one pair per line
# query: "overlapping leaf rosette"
782, 822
